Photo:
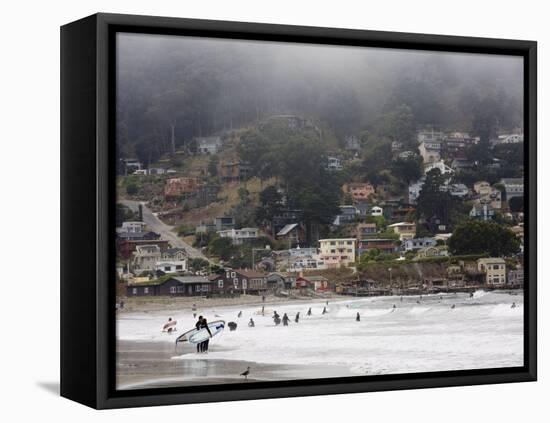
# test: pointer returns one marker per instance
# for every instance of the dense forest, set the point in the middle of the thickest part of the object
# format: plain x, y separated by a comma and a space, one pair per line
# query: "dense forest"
171, 89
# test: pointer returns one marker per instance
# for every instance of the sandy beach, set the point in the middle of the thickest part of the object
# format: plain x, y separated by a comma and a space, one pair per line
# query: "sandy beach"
433, 333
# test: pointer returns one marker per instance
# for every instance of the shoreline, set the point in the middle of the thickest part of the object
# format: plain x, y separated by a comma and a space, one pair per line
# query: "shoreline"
168, 303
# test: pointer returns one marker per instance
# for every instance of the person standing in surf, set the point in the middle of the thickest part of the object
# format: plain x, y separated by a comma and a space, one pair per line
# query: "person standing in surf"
357, 317
309, 312
297, 318
285, 320
204, 325
198, 327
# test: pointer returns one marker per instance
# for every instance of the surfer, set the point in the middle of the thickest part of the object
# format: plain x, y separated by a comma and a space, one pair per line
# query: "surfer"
513, 305
471, 295
453, 306
240, 314
297, 318
393, 308
309, 312
276, 318
204, 325
251, 323
198, 327
324, 310
357, 317
263, 310
285, 320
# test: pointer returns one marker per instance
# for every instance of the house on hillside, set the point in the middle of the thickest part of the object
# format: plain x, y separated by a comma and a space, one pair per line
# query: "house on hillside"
482, 211
377, 211
178, 187
208, 145
405, 230
348, 214
280, 281
359, 191
334, 163
513, 187
364, 230
240, 236
292, 234
440, 165
233, 171
177, 254
414, 244
171, 266
145, 257
427, 252
385, 245
133, 227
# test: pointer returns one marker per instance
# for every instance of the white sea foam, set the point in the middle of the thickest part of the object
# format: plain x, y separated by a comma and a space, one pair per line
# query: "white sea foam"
481, 332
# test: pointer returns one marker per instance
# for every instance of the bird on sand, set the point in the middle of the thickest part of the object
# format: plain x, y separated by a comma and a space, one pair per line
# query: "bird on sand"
246, 373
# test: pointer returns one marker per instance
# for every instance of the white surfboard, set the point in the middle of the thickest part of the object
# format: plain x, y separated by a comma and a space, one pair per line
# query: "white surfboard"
195, 335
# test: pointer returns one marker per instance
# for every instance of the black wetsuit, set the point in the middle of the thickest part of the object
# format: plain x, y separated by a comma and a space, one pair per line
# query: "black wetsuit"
204, 344
285, 320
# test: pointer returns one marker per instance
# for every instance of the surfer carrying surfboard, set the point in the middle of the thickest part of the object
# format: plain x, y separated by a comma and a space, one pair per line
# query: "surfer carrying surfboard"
198, 327
204, 344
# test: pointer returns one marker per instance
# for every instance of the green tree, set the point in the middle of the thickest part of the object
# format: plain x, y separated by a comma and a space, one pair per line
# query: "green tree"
516, 204
222, 248
407, 170
478, 237
433, 199
132, 188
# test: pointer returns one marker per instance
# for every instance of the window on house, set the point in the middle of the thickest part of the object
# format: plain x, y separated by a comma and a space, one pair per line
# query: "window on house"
172, 290
220, 283
167, 268
236, 282
179, 267
145, 290
134, 291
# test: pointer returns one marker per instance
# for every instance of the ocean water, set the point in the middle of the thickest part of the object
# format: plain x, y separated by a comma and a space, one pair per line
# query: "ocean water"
417, 335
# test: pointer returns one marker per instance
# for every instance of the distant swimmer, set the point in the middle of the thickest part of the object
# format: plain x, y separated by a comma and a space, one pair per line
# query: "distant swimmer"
246, 373
232, 326
357, 317
453, 306
251, 323
513, 305
401, 299
285, 320
263, 310
471, 295
194, 315
324, 310
327, 302
393, 308
417, 301
309, 312
194, 307
240, 314
297, 318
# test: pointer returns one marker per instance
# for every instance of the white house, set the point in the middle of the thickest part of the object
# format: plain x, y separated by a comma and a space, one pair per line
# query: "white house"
239, 236
173, 266
513, 187
438, 164
376, 211
334, 163
133, 227
208, 145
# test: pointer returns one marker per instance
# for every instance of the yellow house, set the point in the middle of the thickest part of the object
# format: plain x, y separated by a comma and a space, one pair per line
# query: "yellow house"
405, 230
494, 269
337, 252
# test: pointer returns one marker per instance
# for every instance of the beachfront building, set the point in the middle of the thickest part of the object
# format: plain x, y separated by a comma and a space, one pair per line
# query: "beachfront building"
174, 286
240, 236
239, 281
317, 283
337, 252
405, 230
279, 281
494, 269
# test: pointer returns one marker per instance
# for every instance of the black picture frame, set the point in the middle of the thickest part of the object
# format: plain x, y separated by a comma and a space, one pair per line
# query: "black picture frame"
87, 210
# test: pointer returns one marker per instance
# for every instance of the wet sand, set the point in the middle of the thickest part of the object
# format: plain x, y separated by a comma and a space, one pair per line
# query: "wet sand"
150, 365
